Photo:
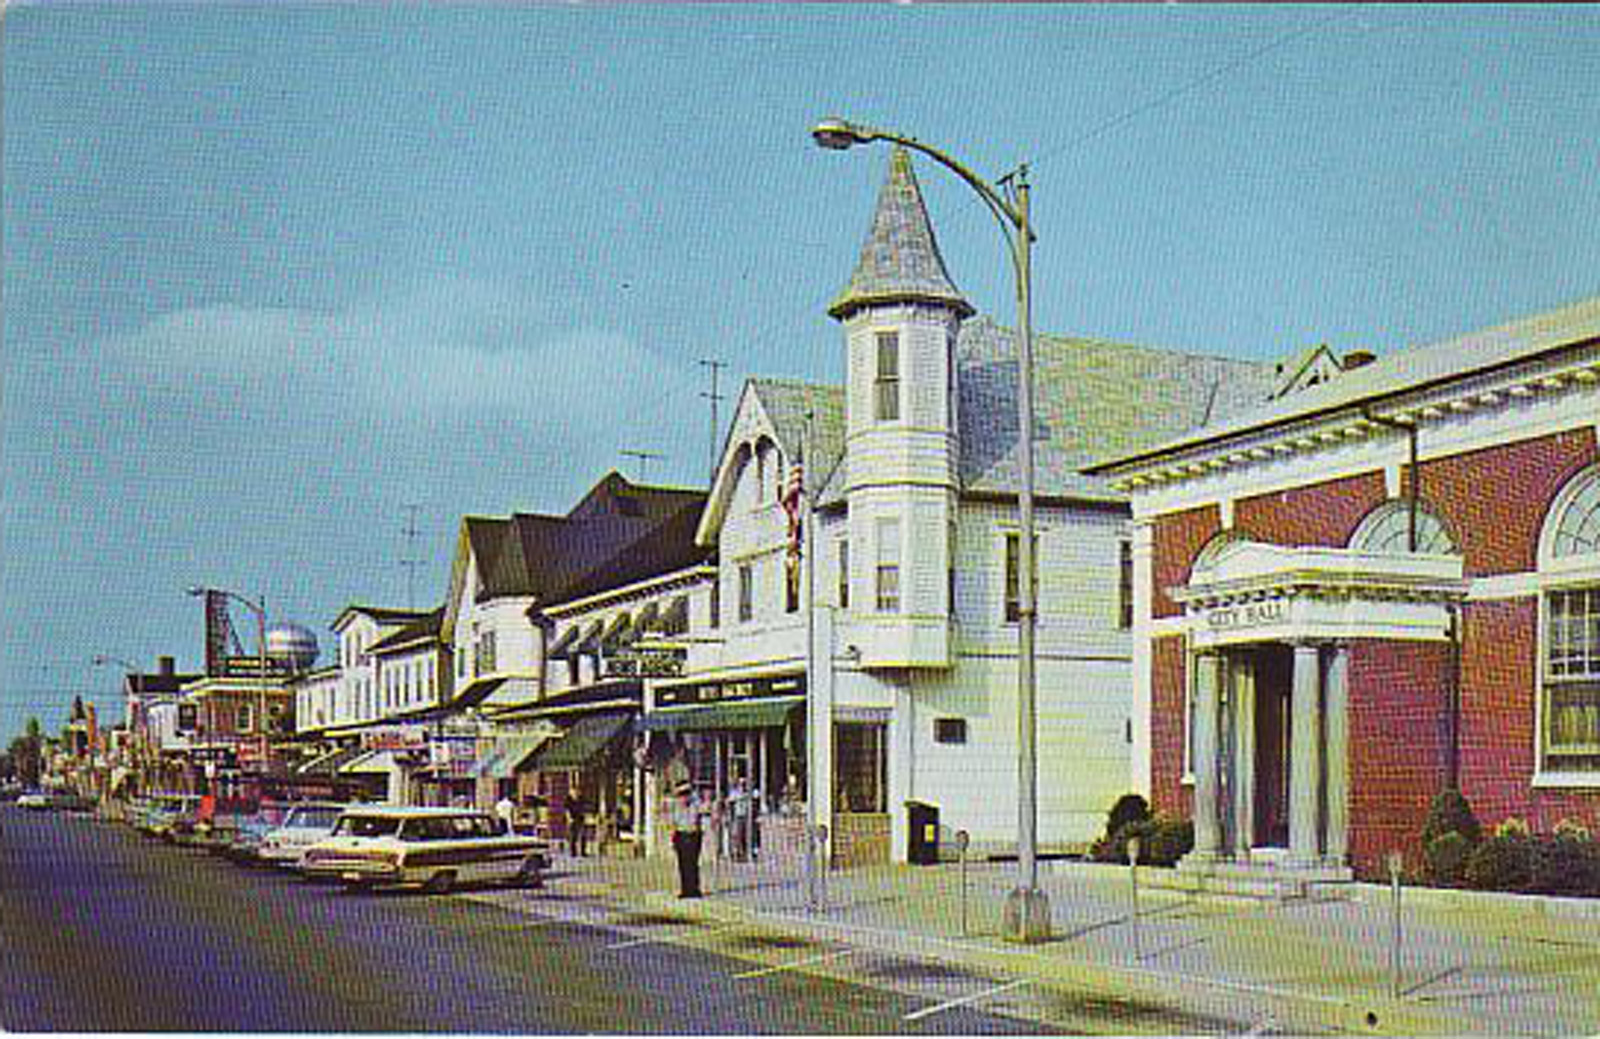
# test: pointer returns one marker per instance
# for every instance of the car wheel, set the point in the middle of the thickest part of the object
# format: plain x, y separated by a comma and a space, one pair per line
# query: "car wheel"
531, 873
440, 883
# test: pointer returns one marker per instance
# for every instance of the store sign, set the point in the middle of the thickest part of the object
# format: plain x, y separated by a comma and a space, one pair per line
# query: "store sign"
1247, 615
712, 692
652, 663
400, 737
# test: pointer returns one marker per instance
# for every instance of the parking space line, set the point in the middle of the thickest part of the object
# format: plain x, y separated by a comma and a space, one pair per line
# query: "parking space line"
917, 1015
795, 965
651, 939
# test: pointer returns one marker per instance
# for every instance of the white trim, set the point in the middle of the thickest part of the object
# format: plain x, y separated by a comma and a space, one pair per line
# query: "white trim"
1552, 780
688, 575
1503, 586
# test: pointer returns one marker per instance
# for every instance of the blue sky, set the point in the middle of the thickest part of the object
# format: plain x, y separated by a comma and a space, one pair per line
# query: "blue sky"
274, 273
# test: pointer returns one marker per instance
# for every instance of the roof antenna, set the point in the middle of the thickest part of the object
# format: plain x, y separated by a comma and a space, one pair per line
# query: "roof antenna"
1211, 400
644, 458
713, 397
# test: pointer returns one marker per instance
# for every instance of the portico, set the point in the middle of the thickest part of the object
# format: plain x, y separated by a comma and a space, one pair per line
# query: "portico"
1270, 631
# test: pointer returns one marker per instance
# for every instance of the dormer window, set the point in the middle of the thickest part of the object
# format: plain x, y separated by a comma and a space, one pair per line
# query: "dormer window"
886, 383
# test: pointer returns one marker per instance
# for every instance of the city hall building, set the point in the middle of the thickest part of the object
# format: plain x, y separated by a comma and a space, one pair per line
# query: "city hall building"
1381, 585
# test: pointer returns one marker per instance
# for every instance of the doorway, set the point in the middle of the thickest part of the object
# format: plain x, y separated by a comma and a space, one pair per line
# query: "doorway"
1274, 676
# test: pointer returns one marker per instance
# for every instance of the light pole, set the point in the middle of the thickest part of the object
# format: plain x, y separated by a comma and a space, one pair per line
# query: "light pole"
260, 610
1027, 916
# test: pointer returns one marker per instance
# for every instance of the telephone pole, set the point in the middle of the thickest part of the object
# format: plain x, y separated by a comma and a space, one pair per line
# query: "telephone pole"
409, 559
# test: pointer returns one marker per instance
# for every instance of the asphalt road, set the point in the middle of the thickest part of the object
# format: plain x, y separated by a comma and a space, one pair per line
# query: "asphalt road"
102, 930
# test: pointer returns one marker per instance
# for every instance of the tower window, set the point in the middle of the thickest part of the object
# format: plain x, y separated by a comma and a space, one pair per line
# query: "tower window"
886, 386
888, 565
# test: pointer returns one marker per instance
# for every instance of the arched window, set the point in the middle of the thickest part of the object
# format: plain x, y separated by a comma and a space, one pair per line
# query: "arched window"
1569, 563
1387, 529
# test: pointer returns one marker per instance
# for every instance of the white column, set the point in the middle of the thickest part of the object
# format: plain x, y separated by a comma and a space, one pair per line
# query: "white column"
1244, 756
1305, 765
1208, 683
1338, 744
1139, 752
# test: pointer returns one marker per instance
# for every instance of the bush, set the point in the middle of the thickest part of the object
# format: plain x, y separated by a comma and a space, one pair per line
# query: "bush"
1504, 862
1450, 813
1447, 856
1130, 808
1565, 864
1162, 841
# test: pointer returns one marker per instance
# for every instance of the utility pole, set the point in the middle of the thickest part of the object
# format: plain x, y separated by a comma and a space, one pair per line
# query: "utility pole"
409, 558
644, 458
714, 397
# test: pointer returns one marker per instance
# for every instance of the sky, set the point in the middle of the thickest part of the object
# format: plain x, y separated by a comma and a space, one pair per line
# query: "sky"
281, 282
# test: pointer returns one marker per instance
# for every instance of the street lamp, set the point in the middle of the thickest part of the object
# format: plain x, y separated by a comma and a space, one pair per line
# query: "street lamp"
260, 610
1027, 916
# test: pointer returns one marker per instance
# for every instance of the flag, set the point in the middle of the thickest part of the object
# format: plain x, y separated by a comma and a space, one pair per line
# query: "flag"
793, 494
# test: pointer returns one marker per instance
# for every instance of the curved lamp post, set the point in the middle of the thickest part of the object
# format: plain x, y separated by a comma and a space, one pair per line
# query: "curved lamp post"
260, 610
1027, 916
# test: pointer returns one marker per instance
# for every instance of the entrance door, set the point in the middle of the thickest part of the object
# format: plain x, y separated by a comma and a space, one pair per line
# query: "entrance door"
1274, 673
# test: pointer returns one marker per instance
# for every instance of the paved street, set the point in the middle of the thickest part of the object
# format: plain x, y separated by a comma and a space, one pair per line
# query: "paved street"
106, 931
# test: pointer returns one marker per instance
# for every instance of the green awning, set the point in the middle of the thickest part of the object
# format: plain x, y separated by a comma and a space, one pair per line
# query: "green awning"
584, 742
510, 753
730, 714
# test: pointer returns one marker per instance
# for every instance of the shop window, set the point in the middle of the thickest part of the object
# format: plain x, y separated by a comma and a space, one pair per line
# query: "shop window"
844, 574
1013, 606
1124, 584
715, 605
886, 384
246, 720
1570, 565
862, 762
888, 566
747, 592
949, 730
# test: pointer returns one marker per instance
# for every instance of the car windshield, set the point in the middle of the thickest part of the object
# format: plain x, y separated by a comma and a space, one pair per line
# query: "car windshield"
366, 826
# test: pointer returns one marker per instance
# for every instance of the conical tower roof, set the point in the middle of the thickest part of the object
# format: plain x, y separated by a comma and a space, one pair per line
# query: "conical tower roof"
900, 261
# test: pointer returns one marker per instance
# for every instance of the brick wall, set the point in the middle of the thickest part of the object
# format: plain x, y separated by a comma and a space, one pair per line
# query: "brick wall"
1168, 795
1397, 746
1324, 514
1498, 740
1494, 501
1179, 537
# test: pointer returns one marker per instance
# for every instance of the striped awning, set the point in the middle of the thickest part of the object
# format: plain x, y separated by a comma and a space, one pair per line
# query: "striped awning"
618, 629
586, 741
330, 763
509, 755
590, 642
649, 617
564, 642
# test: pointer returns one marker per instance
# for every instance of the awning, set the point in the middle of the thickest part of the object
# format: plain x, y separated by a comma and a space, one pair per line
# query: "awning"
768, 713
620, 625
563, 644
676, 620
370, 763
330, 763
510, 753
588, 739
590, 642
475, 692
649, 616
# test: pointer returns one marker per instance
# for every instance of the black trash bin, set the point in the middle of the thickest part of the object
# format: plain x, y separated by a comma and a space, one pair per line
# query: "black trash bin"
924, 823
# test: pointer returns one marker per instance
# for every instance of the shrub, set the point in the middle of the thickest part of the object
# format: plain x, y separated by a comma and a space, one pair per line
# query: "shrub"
1450, 813
1130, 808
1504, 862
1513, 828
1564, 864
1169, 841
1447, 856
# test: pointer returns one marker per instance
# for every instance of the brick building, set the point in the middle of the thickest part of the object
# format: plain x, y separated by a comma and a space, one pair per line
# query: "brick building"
1396, 568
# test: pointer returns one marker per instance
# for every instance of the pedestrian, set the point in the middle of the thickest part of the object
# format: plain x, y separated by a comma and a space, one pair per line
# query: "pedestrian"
686, 838
577, 834
505, 810
740, 809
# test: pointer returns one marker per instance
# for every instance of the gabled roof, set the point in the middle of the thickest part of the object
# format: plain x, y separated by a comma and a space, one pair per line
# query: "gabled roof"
381, 615
618, 533
1092, 399
426, 628
900, 259
1516, 342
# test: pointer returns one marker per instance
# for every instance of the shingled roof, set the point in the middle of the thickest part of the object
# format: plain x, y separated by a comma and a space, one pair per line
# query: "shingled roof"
1515, 342
900, 260
425, 628
788, 403
619, 532
1092, 399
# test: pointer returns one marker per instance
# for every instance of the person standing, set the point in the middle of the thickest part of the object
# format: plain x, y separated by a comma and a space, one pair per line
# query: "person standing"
686, 839
739, 808
505, 810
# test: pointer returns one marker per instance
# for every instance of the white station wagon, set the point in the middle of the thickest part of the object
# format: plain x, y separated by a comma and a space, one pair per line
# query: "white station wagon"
392, 846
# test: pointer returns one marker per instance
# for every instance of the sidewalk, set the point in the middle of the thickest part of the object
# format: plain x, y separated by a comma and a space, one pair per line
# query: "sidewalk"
1471, 964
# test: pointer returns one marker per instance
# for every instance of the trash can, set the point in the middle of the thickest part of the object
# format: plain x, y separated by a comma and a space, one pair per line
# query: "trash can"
923, 819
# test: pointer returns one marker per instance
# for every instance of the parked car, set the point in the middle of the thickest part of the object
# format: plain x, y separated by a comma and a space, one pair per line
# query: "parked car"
303, 826
167, 811
37, 800
240, 840
435, 848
